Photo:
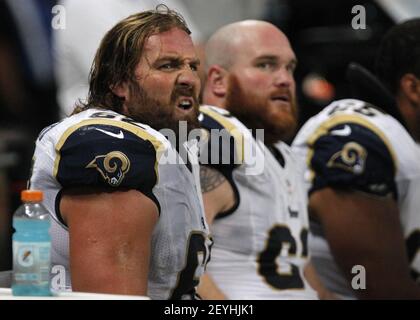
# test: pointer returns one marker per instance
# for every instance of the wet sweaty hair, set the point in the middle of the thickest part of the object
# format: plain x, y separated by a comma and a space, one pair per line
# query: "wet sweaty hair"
120, 52
399, 54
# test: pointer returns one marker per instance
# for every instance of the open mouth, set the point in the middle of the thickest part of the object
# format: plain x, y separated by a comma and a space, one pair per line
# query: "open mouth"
185, 104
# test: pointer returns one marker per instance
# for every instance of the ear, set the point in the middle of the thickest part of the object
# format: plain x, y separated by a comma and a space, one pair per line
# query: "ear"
121, 90
217, 79
410, 87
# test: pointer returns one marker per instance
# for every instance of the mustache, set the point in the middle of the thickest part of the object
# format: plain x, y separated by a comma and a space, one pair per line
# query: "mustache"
184, 91
285, 92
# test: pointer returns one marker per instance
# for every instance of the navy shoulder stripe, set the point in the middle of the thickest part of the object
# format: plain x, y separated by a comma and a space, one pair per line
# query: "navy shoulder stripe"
107, 155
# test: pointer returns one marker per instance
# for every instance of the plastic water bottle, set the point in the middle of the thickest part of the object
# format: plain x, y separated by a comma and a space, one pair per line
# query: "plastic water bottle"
31, 247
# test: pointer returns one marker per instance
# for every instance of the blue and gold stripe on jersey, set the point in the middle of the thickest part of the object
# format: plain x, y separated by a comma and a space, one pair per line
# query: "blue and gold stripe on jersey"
349, 152
108, 153
229, 154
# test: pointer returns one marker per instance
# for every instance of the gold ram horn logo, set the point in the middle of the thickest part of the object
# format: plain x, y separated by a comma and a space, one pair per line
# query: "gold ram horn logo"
113, 166
351, 158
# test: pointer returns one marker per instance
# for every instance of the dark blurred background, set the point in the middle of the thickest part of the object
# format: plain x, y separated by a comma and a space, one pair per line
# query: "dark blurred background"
324, 41
27, 99
320, 31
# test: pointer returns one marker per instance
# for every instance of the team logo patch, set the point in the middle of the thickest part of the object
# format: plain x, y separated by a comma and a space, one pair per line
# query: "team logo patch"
112, 166
351, 158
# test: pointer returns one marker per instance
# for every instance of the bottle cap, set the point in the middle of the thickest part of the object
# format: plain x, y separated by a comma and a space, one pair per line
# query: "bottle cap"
31, 195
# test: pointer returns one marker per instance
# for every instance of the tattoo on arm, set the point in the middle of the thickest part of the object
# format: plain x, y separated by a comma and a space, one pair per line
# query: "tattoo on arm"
210, 179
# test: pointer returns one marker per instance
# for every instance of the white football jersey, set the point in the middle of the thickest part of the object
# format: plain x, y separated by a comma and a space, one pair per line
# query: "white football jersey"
353, 144
260, 246
104, 148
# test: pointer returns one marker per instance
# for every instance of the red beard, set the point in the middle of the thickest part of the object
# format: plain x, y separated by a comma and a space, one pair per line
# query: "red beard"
256, 113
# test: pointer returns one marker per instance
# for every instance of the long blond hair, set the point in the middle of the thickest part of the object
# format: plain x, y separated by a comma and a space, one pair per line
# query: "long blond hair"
120, 51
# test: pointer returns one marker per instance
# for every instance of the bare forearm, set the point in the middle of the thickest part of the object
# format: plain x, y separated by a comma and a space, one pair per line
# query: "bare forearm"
366, 231
218, 195
110, 241
109, 280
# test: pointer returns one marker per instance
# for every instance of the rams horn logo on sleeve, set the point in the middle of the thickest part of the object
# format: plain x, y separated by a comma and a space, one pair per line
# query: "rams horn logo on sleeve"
351, 158
112, 166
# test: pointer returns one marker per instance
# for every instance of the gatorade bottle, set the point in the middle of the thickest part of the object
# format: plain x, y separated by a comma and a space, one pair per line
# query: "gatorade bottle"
31, 247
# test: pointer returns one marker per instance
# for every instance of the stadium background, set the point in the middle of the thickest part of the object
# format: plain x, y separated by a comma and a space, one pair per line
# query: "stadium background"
321, 34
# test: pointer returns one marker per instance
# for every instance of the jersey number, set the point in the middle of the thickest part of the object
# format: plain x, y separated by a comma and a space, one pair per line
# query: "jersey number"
105, 115
286, 275
197, 257
361, 107
413, 248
